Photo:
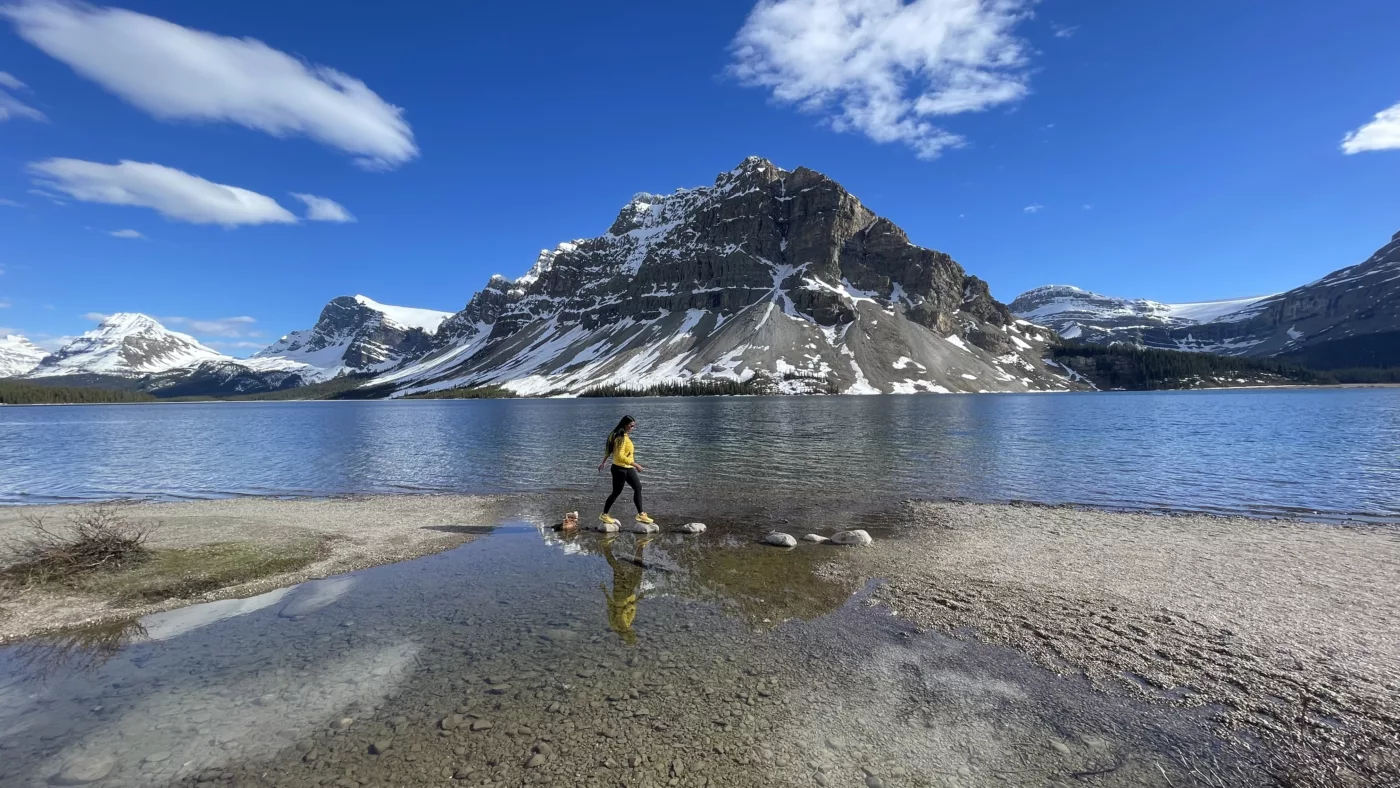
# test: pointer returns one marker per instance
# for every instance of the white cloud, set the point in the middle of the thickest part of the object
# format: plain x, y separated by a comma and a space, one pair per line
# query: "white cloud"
96, 317
1033, 208
126, 234
4, 304
1382, 133
217, 327
1064, 31
176, 73
321, 209
884, 67
173, 193
10, 203
11, 107
50, 196
1088, 206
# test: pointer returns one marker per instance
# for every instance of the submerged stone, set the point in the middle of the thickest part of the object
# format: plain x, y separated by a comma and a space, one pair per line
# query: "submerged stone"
778, 539
855, 538
692, 528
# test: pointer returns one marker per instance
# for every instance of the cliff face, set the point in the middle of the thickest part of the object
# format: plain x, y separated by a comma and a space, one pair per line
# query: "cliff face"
767, 273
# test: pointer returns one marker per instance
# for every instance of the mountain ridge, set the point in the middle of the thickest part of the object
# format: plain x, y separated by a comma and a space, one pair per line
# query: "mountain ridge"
1350, 316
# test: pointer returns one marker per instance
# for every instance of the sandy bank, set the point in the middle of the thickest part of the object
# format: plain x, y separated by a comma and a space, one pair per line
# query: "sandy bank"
353, 532
1291, 630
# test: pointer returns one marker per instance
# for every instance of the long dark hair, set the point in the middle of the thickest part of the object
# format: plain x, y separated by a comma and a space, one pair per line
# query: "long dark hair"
619, 431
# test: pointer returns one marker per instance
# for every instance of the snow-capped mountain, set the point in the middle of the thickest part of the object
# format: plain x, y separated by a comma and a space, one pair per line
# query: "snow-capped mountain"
1350, 317
133, 350
1091, 317
18, 355
768, 274
127, 344
355, 334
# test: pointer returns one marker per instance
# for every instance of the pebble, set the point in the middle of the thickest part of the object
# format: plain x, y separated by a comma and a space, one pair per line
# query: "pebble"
778, 539
815, 538
537, 760
872, 781
1059, 747
380, 747
482, 725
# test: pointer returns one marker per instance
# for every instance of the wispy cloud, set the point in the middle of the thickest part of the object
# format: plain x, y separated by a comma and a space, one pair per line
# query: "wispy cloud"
1088, 206
50, 342
96, 317
4, 304
1064, 31
178, 73
240, 326
1382, 133
11, 107
1033, 208
322, 209
50, 196
126, 234
240, 345
10, 203
173, 193
883, 68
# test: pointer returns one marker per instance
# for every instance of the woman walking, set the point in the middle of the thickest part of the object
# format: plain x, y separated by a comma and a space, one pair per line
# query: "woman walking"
624, 470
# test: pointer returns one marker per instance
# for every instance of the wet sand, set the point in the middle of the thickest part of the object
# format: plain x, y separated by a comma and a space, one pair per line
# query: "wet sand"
1288, 632
354, 532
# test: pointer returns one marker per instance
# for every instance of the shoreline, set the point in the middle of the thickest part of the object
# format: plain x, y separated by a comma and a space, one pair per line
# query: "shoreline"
217, 400
1282, 632
350, 532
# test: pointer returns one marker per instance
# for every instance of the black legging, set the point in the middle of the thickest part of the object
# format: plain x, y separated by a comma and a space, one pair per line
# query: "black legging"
621, 476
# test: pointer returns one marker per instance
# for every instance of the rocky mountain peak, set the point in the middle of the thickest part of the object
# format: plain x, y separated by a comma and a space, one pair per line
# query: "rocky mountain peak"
763, 249
356, 334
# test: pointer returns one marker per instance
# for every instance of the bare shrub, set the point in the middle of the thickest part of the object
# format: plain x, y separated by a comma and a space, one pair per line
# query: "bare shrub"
92, 539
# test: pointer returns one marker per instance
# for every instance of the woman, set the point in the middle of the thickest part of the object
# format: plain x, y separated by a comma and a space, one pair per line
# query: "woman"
624, 470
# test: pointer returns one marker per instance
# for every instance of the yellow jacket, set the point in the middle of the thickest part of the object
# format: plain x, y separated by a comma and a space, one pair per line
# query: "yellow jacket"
622, 453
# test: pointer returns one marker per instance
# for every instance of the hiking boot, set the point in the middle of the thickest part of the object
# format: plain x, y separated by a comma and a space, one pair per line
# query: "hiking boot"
642, 518
607, 518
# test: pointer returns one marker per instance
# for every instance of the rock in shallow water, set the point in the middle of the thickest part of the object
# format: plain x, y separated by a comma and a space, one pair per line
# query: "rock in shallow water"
815, 538
692, 528
645, 528
856, 538
778, 539
82, 771
606, 528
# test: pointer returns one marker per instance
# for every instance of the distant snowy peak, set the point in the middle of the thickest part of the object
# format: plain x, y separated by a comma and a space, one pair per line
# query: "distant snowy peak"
18, 355
356, 334
127, 344
1087, 316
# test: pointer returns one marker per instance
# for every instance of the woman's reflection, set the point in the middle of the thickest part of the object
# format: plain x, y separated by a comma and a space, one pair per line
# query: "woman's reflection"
627, 589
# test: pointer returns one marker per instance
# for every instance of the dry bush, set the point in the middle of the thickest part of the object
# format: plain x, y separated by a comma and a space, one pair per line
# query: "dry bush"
92, 539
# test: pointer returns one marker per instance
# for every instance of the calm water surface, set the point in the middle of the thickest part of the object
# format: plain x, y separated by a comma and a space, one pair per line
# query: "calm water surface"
1329, 453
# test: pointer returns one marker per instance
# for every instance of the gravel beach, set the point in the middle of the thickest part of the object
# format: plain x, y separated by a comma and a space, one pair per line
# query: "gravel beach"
1288, 631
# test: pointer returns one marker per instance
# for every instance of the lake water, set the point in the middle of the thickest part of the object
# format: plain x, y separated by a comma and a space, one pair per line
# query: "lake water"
1322, 453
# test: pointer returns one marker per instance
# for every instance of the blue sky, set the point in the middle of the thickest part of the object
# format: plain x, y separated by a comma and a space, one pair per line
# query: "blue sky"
1179, 151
